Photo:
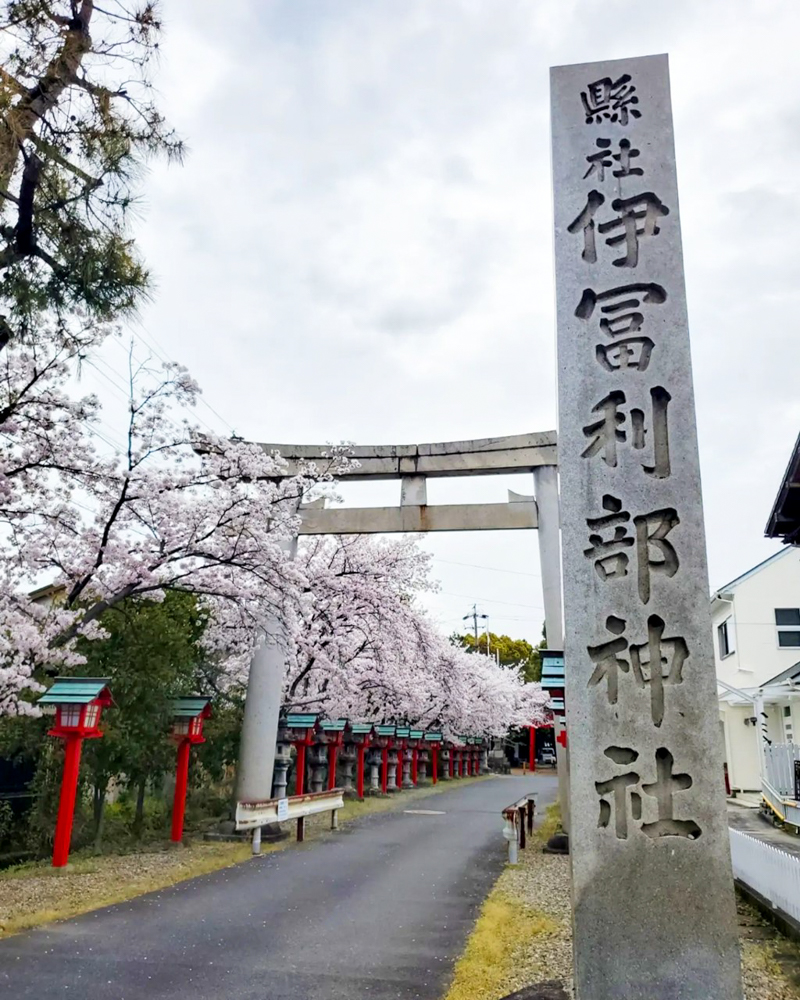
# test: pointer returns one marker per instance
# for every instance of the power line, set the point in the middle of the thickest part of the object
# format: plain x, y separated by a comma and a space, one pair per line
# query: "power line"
488, 600
154, 345
493, 569
167, 360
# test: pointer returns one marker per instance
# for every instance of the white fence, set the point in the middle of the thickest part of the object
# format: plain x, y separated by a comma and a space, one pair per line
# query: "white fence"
771, 872
780, 763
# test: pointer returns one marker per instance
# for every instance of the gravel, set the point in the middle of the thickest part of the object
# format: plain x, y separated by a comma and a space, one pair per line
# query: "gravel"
28, 892
542, 883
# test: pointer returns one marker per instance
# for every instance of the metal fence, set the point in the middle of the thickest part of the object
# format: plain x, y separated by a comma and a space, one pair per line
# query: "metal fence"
780, 764
771, 872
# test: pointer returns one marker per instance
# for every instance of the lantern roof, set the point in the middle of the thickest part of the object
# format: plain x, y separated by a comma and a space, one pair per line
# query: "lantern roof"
403, 732
333, 725
417, 734
191, 706
77, 691
361, 728
304, 721
385, 730
433, 737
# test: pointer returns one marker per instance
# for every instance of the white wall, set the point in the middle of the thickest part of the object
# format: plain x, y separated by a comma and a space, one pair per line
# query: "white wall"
756, 659
741, 748
757, 656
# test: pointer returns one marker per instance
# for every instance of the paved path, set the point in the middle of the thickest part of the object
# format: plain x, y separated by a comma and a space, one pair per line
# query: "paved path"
751, 821
380, 910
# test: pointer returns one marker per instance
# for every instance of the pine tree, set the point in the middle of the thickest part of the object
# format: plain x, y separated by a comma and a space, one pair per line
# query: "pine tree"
77, 122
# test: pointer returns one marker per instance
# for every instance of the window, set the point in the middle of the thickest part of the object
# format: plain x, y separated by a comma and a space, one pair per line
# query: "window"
788, 729
725, 638
787, 622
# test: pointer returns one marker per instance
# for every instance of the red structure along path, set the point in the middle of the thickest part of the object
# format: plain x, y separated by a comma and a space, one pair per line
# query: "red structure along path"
78, 702
187, 730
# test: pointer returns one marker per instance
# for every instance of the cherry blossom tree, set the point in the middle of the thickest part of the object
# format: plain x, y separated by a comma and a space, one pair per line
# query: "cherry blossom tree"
367, 651
173, 511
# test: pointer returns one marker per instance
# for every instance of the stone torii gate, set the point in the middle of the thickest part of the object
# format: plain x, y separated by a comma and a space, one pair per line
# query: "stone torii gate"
412, 465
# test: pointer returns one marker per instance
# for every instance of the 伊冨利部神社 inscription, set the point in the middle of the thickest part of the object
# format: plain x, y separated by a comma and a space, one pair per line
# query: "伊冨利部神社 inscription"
652, 884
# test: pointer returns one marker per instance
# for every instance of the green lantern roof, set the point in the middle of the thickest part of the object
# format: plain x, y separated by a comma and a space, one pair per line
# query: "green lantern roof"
76, 691
433, 737
403, 732
190, 707
385, 730
417, 734
301, 721
360, 728
333, 725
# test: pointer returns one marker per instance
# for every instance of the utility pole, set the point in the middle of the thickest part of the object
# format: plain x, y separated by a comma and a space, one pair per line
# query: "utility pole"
474, 616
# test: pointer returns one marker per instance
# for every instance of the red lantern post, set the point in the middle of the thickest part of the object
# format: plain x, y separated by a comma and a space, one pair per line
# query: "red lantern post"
532, 747
360, 734
79, 702
187, 729
332, 734
434, 740
301, 729
383, 739
416, 736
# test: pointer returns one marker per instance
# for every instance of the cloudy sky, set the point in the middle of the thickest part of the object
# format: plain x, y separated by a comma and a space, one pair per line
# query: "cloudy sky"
359, 244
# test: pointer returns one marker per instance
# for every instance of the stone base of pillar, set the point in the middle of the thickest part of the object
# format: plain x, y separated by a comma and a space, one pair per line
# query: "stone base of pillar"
553, 989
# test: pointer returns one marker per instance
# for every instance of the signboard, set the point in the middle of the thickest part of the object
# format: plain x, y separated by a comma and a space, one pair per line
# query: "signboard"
283, 810
797, 781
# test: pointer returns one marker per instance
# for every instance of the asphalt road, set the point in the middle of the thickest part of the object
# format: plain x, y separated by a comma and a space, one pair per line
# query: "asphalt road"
380, 910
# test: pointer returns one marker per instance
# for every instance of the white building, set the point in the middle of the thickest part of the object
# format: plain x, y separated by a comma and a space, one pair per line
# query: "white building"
756, 620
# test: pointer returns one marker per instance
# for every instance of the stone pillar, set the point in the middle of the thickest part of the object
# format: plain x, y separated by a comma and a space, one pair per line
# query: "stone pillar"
283, 758
262, 709
407, 782
654, 913
392, 769
318, 755
484, 768
374, 762
347, 762
444, 755
422, 766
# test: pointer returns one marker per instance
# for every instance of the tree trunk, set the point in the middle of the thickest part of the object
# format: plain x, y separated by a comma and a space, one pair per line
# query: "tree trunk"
101, 784
34, 104
138, 819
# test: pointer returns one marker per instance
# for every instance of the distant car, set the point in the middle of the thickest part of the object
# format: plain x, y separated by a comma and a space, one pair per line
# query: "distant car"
547, 757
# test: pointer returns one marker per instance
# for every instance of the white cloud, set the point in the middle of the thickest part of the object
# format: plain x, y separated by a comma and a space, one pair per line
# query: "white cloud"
359, 246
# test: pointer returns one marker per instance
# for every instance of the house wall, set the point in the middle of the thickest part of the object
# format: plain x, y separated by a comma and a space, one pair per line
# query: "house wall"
756, 658
741, 748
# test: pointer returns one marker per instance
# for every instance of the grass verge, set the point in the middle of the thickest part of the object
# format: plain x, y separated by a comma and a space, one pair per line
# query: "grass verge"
35, 894
503, 929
